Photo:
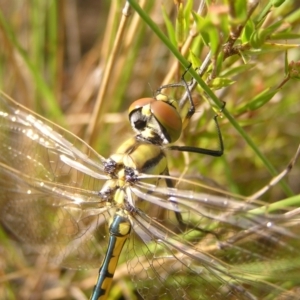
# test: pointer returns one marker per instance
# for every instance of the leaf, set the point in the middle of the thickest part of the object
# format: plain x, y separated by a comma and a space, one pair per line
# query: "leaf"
169, 26
220, 82
180, 28
258, 101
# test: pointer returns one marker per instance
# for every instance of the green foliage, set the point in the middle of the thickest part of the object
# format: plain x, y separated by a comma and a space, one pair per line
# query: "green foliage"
54, 62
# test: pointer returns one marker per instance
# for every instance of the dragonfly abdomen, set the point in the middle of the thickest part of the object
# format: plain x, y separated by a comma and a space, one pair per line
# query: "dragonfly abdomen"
119, 230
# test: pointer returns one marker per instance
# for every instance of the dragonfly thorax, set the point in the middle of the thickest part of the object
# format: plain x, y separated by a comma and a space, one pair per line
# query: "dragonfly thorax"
155, 120
141, 156
133, 157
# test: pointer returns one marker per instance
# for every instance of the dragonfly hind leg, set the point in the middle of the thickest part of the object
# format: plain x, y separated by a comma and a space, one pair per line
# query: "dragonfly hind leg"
183, 224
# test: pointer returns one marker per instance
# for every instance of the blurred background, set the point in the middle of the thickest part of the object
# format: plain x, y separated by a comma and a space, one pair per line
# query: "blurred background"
62, 59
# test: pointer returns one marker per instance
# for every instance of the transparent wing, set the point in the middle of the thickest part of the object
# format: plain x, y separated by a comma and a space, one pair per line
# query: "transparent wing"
39, 147
187, 242
49, 188
227, 249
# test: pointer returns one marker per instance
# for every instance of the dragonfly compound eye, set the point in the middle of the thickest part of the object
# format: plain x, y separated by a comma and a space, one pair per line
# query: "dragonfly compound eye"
143, 112
168, 118
139, 113
139, 104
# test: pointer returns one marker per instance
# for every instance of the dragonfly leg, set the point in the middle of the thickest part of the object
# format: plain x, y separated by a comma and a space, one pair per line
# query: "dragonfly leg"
205, 151
184, 225
189, 114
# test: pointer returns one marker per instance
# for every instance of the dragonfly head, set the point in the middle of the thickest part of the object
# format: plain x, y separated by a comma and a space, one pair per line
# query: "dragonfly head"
156, 119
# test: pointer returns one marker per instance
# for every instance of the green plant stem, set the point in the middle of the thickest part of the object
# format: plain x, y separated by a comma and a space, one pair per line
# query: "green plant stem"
185, 63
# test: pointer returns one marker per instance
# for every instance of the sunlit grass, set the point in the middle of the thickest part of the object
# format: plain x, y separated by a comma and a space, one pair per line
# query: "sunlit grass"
55, 55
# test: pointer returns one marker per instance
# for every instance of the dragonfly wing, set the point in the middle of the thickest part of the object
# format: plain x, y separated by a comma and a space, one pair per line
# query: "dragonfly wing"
49, 188
67, 224
226, 249
170, 269
42, 149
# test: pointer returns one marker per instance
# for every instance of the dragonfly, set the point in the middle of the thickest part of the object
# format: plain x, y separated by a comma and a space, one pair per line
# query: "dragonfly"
180, 238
